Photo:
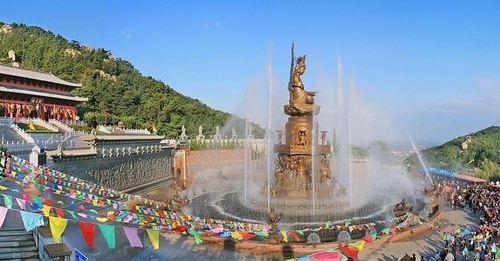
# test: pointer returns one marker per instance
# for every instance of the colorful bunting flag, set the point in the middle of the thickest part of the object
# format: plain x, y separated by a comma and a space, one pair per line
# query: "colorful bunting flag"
154, 236
88, 233
57, 226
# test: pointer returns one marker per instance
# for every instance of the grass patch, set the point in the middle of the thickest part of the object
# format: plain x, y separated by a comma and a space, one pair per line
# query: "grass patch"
84, 128
34, 129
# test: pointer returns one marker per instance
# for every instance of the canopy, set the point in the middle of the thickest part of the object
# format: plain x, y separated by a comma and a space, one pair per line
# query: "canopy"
470, 178
442, 172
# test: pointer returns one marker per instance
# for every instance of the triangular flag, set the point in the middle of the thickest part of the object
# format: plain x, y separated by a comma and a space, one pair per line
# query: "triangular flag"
154, 236
31, 220
57, 226
196, 236
285, 237
59, 212
3, 214
108, 231
236, 235
46, 210
133, 238
294, 235
360, 244
88, 232
247, 235
7, 201
21, 203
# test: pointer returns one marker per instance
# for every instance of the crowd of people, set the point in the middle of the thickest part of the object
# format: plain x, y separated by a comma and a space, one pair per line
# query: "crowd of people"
470, 242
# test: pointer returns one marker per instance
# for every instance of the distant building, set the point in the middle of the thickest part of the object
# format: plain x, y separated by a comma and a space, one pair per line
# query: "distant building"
30, 94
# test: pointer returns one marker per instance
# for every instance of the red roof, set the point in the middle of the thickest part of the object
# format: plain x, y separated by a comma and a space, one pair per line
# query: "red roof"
470, 178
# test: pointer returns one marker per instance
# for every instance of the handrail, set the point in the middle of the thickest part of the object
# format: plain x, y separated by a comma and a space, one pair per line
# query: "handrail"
61, 125
22, 133
45, 124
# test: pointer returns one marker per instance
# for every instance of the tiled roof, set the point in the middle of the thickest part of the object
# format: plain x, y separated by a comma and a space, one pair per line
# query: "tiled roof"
23, 73
43, 94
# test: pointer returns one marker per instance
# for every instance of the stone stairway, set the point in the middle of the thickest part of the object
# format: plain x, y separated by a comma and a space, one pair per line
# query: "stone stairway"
17, 244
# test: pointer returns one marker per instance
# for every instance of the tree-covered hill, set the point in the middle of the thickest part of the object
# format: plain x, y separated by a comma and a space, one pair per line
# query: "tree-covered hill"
477, 153
115, 89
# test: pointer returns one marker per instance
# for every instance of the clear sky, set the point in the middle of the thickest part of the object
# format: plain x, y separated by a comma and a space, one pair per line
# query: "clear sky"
430, 68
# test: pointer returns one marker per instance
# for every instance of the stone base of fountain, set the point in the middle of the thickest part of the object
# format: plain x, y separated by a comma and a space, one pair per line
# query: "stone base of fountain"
305, 249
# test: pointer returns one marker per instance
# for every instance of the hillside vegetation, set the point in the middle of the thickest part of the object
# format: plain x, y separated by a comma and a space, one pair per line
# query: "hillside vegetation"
115, 89
477, 154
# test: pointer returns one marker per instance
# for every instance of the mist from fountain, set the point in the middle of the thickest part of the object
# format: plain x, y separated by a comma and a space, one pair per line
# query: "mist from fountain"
261, 106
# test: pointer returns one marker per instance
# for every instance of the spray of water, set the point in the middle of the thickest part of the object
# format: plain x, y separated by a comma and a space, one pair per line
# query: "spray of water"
420, 159
269, 127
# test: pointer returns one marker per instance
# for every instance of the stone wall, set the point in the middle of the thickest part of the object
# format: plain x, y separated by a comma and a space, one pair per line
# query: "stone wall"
124, 172
201, 160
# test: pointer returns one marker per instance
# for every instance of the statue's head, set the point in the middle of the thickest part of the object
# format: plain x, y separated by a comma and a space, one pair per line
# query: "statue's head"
301, 60
301, 63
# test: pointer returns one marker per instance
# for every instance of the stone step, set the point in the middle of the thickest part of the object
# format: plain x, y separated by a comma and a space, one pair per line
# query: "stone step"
20, 256
16, 238
18, 250
15, 232
17, 244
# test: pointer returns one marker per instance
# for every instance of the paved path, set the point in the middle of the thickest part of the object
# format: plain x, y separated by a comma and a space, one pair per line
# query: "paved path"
182, 247
425, 245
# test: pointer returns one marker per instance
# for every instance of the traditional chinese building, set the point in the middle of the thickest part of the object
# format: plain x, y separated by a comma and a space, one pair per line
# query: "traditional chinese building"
30, 94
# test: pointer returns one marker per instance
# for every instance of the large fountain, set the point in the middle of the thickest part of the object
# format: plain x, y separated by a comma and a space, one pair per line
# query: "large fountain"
301, 185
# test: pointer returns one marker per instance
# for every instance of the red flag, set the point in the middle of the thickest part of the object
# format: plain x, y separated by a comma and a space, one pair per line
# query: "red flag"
294, 235
60, 212
88, 232
180, 229
247, 235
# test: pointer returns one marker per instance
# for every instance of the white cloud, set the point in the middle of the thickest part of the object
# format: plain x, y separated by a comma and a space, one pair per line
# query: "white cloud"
128, 33
208, 24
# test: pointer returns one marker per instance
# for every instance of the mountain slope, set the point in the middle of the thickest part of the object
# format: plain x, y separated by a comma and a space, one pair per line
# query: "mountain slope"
116, 90
477, 153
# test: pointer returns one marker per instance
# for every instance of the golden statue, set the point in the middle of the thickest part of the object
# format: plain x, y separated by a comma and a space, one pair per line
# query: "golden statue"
301, 101
274, 219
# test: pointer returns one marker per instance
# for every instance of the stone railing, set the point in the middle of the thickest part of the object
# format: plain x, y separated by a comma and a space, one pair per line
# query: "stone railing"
5, 121
103, 129
61, 125
137, 131
17, 145
45, 124
22, 133
127, 151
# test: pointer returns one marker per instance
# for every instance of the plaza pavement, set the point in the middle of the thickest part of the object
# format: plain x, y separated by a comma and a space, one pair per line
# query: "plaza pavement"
182, 247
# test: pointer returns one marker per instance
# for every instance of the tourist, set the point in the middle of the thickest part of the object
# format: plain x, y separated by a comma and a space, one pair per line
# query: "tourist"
437, 256
465, 253
449, 257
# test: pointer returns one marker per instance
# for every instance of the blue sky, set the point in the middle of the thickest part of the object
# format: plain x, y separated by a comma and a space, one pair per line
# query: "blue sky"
425, 69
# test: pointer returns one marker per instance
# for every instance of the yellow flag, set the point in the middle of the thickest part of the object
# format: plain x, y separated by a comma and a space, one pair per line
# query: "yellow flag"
57, 226
236, 235
46, 210
285, 237
101, 219
154, 236
155, 130
360, 244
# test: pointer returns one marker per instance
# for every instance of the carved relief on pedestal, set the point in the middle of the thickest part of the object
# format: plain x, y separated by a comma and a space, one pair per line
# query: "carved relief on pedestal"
123, 172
